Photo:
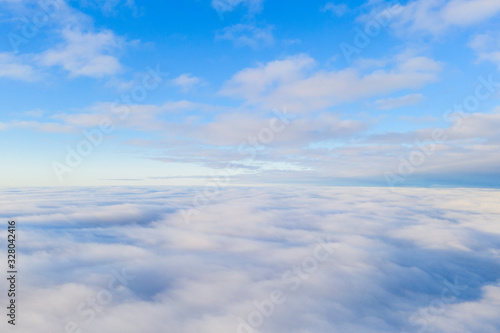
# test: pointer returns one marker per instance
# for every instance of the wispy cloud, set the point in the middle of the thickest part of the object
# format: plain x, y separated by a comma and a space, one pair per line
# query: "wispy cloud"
17, 68
229, 5
487, 47
111, 7
397, 102
336, 9
247, 35
186, 81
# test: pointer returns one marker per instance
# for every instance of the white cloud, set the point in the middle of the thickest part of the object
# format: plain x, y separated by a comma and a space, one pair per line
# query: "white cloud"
186, 81
471, 316
467, 12
291, 83
143, 117
436, 16
338, 10
223, 127
15, 68
85, 54
397, 102
306, 147
247, 35
233, 128
49, 127
487, 47
383, 265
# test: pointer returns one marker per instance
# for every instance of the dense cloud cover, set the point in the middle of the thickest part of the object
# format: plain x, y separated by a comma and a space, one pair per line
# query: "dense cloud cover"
260, 259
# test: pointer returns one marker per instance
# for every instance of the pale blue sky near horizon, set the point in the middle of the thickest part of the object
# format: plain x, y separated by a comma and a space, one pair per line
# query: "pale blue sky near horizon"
362, 90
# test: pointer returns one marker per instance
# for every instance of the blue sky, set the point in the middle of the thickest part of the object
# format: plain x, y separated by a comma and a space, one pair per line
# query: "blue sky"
338, 93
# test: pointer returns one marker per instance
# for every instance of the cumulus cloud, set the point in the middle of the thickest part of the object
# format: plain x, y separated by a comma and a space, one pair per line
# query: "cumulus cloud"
434, 17
343, 259
85, 54
291, 82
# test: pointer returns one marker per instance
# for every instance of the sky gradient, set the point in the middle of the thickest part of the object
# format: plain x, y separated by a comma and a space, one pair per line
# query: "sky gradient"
369, 93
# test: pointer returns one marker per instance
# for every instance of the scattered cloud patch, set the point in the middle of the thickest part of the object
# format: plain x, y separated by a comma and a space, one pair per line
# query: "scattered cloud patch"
398, 102
487, 47
16, 68
186, 81
336, 9
111, 7
47, 127
247, 35
222, 6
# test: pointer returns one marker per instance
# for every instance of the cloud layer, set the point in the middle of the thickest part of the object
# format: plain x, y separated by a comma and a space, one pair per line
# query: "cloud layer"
293, 259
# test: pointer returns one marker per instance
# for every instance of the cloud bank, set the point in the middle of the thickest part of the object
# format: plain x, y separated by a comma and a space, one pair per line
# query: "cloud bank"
291, 259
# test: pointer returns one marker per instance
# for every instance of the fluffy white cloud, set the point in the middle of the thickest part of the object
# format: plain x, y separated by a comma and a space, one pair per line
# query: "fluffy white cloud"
390, 261
291, 83
85, 54
186, 81
436, 16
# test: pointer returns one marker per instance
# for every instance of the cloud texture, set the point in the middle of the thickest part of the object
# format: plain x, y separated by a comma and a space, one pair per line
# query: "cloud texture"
262, 259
